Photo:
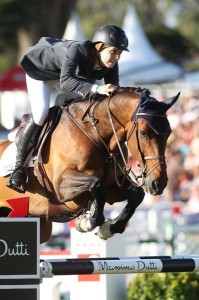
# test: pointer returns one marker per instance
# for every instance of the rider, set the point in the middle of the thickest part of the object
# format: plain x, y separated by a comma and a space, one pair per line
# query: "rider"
68, 66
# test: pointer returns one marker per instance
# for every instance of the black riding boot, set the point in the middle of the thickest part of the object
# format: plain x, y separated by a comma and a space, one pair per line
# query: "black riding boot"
27, 141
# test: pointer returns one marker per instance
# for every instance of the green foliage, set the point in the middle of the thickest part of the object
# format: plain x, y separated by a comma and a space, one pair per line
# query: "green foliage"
164, 286
101, 12
7, 61
188, 20
170, 43
146, 287
36, 17
192, 65
23, 23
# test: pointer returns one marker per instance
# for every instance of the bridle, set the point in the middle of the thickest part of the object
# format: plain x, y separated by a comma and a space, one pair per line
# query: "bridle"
161, 158
140, 178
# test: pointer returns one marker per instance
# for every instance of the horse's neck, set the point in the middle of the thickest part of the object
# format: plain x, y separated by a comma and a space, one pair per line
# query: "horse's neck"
115, 118
104, 114
123, 106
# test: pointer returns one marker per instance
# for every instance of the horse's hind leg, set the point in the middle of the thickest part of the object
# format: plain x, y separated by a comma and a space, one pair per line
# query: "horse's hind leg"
134, 197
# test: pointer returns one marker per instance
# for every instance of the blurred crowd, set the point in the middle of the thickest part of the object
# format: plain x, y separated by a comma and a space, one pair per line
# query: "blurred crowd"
182, 154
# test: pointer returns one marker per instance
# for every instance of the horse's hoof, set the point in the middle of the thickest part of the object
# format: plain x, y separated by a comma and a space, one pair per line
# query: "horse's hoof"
104, 231
83, 223
80, 223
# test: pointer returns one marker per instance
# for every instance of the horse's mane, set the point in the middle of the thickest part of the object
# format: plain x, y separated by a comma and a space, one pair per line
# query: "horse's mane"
137, 90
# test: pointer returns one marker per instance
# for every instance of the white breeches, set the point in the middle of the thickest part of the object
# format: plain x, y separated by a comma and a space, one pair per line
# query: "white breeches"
39, 95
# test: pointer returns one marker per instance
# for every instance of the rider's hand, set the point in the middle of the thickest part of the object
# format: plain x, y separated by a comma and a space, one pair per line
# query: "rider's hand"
106, 89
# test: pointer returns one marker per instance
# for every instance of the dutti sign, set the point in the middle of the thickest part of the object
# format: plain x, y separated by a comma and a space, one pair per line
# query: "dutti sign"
19, 249
19, 292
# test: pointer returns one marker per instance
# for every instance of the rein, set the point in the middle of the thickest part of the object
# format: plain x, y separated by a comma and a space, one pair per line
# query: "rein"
126, 169
101, 147
99, 142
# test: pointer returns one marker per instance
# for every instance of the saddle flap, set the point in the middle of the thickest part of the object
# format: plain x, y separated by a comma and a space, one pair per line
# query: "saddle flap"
48, 128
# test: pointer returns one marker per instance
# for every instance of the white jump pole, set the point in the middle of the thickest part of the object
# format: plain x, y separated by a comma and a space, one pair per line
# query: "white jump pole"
87, 246
119, 266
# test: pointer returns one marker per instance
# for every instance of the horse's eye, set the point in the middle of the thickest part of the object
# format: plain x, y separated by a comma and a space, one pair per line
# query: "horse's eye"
143, 133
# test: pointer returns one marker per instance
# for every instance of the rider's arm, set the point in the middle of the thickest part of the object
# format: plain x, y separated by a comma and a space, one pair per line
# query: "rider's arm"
69, 78
70, 81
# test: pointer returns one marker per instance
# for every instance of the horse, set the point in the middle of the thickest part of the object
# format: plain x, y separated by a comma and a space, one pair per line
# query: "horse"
83, 162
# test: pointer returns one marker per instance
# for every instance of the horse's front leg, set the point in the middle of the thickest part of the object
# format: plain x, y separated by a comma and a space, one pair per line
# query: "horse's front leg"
134, 196
93, 215
84, 191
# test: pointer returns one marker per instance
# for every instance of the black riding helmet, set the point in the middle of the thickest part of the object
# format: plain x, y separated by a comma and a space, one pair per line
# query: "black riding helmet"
112, 35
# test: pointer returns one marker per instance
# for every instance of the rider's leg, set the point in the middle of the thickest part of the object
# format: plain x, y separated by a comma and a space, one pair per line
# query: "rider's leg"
27, 140
39, 95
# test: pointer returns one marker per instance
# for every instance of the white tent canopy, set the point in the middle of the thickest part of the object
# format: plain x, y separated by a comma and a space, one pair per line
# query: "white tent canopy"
191, 77
73, 29
143, 64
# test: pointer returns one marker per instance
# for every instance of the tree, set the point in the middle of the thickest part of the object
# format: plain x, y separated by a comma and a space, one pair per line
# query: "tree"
188, 20
23, 23
100, 12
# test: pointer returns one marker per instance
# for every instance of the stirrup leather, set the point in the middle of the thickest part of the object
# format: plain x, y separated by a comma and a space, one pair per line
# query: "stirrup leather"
22, 178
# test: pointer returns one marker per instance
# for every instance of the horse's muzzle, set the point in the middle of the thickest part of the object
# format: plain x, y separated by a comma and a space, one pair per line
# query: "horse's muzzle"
155, 187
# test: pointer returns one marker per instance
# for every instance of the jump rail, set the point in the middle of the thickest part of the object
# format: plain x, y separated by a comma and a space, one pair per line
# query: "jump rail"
117, 265
22, 270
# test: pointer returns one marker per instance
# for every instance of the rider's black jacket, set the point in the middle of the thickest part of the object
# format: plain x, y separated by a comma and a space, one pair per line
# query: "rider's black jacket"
74, 63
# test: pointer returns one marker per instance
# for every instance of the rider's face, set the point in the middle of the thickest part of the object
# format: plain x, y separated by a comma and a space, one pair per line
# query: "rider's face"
109, 56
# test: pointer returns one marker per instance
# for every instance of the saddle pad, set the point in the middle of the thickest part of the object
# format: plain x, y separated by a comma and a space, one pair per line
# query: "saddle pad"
8, 158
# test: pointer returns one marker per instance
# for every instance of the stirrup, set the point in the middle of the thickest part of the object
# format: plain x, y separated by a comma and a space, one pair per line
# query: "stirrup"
11, 185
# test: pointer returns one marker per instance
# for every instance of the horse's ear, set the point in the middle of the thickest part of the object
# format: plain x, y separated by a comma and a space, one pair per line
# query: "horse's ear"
169, 102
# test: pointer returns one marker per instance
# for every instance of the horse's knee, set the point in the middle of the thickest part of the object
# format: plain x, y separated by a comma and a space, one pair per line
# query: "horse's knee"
136, 195
96, 207
98, 189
